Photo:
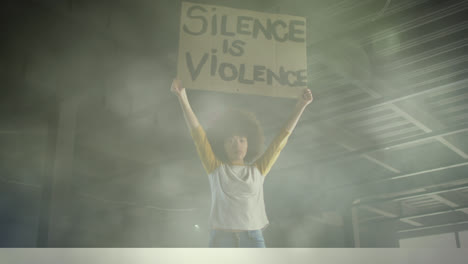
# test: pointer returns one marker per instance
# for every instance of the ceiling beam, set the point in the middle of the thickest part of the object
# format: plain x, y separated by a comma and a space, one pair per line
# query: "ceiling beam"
424, 172
446, 31
444, 200
378, 211
411, 119
397, 143
422, 125
363, 201
433, 226
390, 215
390, 99
411, 222
350, 141
415, 216
452, 147
380, 163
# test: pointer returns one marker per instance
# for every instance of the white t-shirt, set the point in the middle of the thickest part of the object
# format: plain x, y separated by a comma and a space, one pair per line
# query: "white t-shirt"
237, 190
237, 198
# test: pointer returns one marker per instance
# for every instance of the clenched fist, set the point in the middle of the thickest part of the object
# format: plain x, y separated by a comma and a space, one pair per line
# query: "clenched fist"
177, 88
306, 98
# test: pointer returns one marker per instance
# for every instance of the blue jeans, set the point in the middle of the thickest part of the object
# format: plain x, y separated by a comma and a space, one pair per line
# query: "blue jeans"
242, 239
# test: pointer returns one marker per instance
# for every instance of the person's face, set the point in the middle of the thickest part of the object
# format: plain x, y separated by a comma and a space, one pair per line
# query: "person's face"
236, 148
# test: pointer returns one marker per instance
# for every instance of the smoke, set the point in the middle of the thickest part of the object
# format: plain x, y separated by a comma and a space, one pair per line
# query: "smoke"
136, 178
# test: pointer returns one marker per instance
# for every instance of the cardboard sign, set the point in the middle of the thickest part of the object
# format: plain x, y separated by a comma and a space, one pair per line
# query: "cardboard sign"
241, 51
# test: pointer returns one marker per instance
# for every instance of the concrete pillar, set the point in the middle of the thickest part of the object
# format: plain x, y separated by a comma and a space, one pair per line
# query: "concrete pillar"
355, 223
351, 227
57, 175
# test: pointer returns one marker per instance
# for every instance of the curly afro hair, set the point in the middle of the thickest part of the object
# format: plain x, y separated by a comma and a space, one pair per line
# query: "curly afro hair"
236, 122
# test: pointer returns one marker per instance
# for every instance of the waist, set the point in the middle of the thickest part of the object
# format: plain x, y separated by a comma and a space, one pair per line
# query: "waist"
229, 230
237, 230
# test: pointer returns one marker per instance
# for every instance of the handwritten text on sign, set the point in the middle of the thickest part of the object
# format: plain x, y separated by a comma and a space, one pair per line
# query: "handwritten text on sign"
232, 50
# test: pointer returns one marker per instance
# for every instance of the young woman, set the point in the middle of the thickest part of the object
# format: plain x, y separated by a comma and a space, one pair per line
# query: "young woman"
235, 173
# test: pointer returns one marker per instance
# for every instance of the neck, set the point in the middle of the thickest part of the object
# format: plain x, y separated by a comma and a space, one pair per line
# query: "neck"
237, 162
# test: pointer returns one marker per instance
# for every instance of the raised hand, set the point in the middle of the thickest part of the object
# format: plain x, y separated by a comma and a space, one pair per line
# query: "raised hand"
306, 98
177, 88
189, 115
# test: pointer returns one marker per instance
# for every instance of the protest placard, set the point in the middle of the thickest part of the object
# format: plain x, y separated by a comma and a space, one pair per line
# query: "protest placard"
241, 51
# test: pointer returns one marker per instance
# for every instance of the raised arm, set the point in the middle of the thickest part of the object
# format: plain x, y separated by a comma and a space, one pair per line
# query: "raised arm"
190, 118
266, 161
301, 104
209, 160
